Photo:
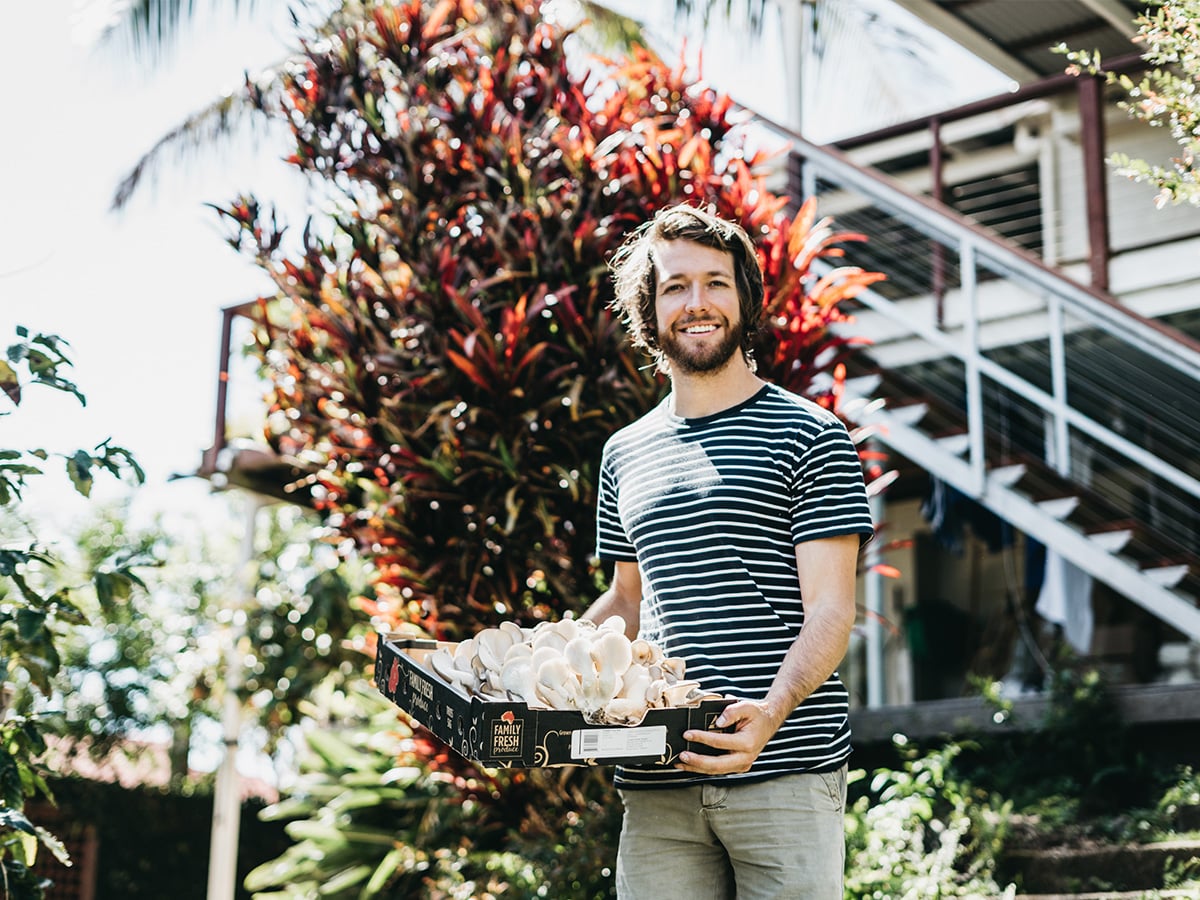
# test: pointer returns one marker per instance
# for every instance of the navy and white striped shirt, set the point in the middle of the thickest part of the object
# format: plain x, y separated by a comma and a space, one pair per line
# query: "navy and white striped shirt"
711, 510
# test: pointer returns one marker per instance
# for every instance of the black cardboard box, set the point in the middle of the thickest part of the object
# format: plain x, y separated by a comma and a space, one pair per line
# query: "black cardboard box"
510, 734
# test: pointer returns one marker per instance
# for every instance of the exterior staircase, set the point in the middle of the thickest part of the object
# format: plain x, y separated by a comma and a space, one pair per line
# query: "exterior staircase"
1046, 401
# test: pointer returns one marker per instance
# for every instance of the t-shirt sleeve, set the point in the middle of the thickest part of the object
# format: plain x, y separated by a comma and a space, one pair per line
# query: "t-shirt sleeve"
829, 493
612, 542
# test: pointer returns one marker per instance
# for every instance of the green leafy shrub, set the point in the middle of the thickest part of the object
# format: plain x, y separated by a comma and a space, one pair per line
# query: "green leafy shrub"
1180, 803
1164, 96
1079, 750
37, 605
921, 831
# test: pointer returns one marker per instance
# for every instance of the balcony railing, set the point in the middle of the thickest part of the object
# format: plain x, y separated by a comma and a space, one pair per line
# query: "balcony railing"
1021, 364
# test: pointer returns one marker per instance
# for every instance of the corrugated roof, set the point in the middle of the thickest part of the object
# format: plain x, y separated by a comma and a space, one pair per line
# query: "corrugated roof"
1017, 36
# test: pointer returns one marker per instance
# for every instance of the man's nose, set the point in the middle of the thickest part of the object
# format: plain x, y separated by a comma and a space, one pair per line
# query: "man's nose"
696, 298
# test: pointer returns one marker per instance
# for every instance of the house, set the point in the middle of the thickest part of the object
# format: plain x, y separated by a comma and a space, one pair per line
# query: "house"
1034, 376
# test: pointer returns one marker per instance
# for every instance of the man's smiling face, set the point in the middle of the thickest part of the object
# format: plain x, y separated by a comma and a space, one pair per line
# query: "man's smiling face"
698, 316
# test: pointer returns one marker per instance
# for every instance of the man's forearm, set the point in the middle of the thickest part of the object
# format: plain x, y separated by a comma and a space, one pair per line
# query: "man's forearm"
607, 604
812, 658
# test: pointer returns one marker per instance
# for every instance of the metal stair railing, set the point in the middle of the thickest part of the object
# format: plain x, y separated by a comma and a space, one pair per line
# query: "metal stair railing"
1031, 365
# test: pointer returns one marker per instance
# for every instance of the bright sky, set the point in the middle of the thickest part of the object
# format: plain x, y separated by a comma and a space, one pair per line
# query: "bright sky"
137, 294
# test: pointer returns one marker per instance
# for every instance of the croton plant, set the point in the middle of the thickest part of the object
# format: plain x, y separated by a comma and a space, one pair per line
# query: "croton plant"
441, 350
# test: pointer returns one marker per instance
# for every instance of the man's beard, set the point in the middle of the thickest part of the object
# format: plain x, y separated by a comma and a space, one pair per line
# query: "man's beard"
697, 361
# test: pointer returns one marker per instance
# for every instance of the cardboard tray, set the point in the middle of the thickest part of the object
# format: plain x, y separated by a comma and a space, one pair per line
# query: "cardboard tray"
509, 734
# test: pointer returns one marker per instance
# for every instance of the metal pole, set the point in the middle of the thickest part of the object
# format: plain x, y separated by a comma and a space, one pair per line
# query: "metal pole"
937, 255
803, 20
227, 800
973, 376
1095, 177
873, 590
1058, 387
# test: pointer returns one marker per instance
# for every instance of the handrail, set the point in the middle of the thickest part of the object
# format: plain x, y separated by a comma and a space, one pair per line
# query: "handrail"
1045, 87
1177, 349
1062, 397
1001, 375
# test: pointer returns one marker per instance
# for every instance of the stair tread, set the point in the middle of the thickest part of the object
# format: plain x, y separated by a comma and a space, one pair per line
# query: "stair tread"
1099, 511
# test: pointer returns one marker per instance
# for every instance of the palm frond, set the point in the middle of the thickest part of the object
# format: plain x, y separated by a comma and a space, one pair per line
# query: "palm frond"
754, 9
197, 133
151, 27
222, 118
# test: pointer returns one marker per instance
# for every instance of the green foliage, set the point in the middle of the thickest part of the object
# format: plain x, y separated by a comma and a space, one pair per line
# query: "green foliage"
366, 821
1060, 755
383, 811
1180, 804
120, 668
947, 822
922, 831
36, 605
21, 743
41, 360
1163, 97
151, 651
306, 627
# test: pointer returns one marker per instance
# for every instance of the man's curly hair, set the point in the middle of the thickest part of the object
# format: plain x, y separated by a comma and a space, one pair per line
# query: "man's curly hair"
635, 274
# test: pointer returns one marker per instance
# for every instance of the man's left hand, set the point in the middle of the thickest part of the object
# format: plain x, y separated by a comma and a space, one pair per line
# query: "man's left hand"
753, 725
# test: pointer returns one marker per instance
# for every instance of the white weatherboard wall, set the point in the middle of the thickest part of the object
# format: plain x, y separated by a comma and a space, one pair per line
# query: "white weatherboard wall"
1133, 220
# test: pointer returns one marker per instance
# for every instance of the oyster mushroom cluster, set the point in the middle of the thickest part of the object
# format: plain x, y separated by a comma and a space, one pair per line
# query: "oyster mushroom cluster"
569, 664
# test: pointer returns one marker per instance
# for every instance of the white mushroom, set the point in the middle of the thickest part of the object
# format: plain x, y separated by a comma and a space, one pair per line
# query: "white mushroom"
518, 650
655, 691
634, 682
441, 661
548, 637
624, 711
569, 664
464, 653
578, 655
673, 668
539, 655
491, 645
517, 678
446, 665
613, 623
645, 652
491, 683
682, 693
557, 685
567, 628
611, 656
515, 631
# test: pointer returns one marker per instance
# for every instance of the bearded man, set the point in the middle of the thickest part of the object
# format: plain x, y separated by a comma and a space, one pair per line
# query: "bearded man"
733, 514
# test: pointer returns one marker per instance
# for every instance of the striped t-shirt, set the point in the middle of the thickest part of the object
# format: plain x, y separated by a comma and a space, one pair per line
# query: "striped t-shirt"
711, 510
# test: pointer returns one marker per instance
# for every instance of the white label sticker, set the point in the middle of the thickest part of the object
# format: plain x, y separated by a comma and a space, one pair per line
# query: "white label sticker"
604, 743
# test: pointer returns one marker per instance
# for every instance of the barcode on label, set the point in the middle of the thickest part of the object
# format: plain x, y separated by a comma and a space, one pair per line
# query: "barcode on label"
606, 743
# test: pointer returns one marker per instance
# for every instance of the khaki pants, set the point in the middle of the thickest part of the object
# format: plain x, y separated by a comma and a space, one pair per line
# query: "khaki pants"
780, 838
